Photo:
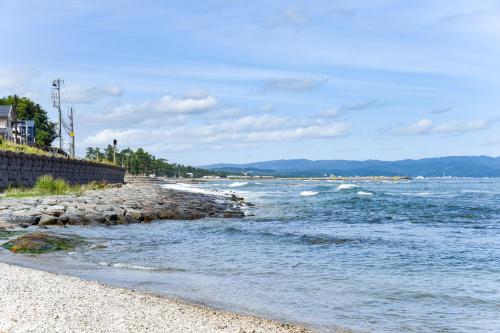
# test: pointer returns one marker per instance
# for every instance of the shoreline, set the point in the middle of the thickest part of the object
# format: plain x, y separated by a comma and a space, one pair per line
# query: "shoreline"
38, 301
140, 200
27, 293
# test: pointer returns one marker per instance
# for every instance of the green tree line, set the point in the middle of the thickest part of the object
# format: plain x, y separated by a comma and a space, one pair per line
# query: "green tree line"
140, 162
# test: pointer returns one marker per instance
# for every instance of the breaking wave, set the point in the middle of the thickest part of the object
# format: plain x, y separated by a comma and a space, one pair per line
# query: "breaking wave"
308, 193
238, 184
347, 187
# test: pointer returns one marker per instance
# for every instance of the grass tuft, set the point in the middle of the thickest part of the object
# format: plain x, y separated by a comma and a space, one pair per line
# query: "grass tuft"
47, 185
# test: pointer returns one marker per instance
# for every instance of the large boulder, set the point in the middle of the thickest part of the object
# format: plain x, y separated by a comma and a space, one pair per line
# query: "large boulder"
40, 242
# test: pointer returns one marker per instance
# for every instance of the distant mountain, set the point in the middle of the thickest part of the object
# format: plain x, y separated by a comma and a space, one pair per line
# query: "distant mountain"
457, 166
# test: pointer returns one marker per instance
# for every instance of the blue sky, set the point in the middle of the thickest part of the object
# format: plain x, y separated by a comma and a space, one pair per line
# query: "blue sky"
238, 81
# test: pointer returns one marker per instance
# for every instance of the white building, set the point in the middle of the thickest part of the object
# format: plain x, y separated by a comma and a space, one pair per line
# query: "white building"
6, 122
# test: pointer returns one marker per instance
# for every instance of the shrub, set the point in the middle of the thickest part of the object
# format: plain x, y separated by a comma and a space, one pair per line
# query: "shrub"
48, 185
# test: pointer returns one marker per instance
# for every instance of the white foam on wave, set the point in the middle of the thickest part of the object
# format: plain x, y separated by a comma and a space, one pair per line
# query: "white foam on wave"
130, 266
308, 193
346, 187
418, 194
238, 184
218, 193
192, 189
363, 193
473, 191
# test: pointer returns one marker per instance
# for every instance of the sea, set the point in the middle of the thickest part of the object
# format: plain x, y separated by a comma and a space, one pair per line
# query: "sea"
419, 255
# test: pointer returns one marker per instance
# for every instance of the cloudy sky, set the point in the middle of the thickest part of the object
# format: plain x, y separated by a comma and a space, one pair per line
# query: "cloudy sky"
238, 81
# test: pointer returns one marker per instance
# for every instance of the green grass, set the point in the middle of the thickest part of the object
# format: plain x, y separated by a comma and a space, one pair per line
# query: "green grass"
14, 147
47, 185
17, 148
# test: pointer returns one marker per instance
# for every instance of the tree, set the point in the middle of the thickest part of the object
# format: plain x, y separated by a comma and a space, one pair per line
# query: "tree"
94, 154
26, 109
140, 162
108, 151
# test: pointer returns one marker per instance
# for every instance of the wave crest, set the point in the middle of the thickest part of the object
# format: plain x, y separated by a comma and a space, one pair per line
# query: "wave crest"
346, 187
238, 184
308, 193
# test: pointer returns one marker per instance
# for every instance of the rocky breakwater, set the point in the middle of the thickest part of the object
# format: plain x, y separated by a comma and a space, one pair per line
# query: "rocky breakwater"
131, 203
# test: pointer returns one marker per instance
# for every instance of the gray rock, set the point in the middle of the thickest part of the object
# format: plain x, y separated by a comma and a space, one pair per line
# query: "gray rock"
24, 220
93, 219
56, 210
233, 214
49, 220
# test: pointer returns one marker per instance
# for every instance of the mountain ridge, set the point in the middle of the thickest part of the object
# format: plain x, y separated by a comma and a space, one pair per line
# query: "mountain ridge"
457, 166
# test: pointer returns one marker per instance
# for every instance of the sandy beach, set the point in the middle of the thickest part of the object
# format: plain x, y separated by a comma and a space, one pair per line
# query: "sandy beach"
36, 301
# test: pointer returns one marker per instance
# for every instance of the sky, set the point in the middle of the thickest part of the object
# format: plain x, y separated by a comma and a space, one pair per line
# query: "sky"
201, 82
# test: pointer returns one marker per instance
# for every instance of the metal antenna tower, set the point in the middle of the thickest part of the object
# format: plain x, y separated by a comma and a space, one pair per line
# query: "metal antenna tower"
56, 100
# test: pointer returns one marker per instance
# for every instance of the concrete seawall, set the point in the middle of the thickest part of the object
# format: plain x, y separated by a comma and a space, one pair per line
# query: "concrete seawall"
19, 169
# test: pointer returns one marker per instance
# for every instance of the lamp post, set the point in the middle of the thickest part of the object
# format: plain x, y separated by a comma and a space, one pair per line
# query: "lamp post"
114, 150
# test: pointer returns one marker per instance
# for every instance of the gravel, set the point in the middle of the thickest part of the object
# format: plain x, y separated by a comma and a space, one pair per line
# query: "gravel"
36, 301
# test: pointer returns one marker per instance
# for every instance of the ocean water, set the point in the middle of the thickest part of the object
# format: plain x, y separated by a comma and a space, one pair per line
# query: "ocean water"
403, 256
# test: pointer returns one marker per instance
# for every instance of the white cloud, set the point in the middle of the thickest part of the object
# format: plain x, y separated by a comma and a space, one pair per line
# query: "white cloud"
17, 80
289, 17
87, 95
313, 131
293, 84
225, 113
168, 105
330, 113
254, 123
296, 17
358, 106
193, 104
196, 94
343, 110
422, 126
267, 108
427, 126
442, 110
107, 136
454, 126
245, 130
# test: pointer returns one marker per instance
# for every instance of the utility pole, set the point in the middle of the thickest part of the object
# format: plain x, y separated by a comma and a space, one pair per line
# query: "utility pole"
56, 99
14, 117
72, 132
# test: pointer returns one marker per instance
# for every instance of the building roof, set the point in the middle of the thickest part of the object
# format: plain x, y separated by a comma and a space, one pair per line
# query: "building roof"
5, 110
